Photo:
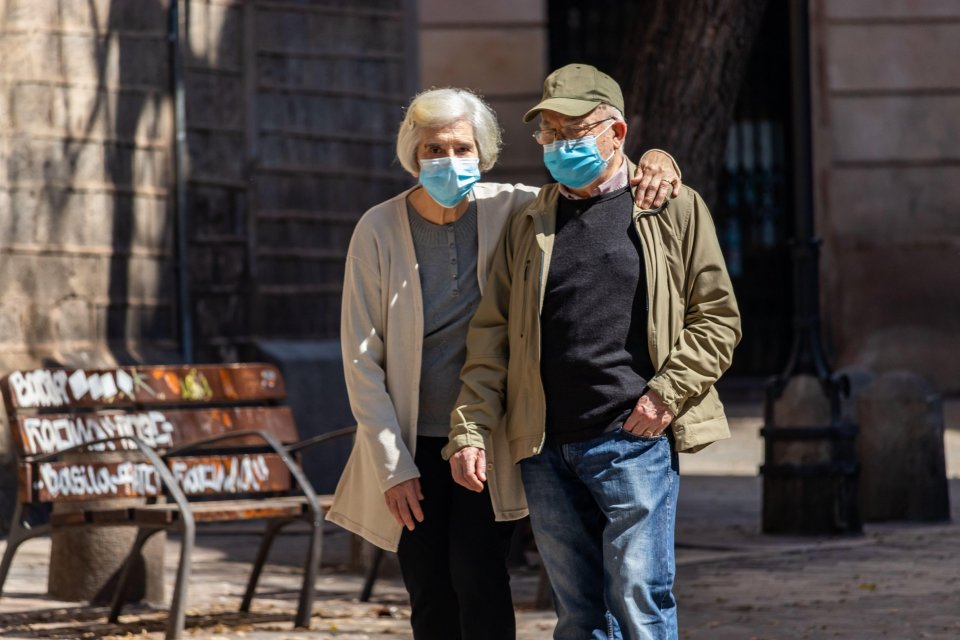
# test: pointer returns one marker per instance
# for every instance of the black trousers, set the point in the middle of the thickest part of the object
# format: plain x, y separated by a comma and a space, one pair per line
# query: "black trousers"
454, 563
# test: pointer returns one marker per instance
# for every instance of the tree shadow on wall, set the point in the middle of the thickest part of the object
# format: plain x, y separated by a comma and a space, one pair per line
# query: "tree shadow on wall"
89, 239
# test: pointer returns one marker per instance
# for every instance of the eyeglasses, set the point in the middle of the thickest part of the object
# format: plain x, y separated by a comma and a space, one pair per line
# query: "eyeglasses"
570, 132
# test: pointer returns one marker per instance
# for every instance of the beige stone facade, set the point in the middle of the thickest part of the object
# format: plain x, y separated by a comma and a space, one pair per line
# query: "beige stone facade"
887, 143
500, 51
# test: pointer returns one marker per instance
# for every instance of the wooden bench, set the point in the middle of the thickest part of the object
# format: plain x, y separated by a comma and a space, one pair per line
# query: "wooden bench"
197, 444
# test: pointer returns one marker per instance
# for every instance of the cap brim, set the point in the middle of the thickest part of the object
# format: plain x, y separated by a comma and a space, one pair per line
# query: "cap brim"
567, 106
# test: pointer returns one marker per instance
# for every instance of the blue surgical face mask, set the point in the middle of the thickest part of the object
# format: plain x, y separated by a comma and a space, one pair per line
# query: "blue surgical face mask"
448, 180
575, 163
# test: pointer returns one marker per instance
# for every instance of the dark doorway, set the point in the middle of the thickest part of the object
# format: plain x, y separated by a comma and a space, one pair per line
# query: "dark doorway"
752, 214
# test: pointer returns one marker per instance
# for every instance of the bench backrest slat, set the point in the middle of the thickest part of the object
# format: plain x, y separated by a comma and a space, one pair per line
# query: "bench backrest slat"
159, 428
168, 408
144, 386
196, 475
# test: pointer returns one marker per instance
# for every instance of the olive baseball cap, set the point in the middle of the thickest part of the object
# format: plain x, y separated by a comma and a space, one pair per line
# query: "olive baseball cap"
575, 90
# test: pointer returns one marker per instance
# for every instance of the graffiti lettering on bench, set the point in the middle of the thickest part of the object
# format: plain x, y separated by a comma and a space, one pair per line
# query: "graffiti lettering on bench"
220, 474
48, 435
243, 475
85, 480
57, 388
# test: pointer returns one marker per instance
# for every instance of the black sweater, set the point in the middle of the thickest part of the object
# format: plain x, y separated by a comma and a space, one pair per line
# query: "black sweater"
595, 360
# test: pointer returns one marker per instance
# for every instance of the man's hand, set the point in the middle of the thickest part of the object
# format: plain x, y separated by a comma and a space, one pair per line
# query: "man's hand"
403, 501
655, 179
650, 417
469, 468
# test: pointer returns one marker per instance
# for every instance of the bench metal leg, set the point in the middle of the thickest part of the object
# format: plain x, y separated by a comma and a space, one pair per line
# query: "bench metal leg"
266, 543
367, 590
18, 535
176, 618
117, 604
176, 621
305, 608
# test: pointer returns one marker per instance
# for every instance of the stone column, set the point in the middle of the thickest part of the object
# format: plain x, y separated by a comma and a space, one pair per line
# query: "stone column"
85, 562
903, 469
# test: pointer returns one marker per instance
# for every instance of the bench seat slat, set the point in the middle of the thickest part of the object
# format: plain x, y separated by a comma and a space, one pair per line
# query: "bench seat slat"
223, 510
167, 513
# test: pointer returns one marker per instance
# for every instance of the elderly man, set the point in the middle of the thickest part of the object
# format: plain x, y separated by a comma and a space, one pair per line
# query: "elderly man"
596, 347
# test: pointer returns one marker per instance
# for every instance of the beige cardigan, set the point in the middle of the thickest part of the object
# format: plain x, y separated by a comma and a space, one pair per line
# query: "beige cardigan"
382, 338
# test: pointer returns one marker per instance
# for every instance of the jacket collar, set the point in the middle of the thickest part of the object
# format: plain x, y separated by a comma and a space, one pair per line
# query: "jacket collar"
543, 210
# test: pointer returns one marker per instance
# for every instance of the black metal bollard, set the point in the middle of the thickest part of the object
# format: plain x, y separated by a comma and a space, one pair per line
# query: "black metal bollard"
810, 471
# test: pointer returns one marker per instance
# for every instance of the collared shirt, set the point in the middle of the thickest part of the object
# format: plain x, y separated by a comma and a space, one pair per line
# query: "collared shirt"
619, 180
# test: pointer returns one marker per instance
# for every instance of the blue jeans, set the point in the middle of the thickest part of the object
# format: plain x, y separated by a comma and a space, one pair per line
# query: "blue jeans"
603, 513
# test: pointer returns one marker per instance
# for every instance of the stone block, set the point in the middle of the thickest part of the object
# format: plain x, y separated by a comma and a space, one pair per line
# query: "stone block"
31, 106
146, 15
19, 211
152, 223
217, 155
872, 129
866, 9
921, 348
216, 34
879, 285
521, 153
317, 395
64, 219
902, 57
803, 404
218, 316
509, 12
870, 202
147, 277
901, 450
214, 100
73, 320
11, 323
512, 62
151, 168
24, 14
216, 210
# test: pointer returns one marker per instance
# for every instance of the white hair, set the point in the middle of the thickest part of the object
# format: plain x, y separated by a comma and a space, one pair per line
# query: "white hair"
610, 111
441, 107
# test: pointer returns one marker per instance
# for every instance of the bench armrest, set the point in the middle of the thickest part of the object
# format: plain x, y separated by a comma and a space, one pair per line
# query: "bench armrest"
306, 443
273, 443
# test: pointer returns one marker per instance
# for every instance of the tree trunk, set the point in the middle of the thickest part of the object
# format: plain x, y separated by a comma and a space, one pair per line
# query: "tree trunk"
684, 63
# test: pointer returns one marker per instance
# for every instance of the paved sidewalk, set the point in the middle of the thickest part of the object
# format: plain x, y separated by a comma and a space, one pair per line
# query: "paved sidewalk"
897, 581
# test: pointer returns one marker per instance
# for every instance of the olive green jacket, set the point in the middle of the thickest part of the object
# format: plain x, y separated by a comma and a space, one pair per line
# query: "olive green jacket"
693, 325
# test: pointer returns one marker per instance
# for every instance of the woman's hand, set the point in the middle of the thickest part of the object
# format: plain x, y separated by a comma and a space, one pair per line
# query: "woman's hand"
403, 501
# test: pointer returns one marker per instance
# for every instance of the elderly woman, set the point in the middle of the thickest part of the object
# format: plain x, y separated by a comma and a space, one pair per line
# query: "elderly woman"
415, 271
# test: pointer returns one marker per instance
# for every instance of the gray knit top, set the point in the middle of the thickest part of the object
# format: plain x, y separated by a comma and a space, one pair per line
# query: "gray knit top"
447, 263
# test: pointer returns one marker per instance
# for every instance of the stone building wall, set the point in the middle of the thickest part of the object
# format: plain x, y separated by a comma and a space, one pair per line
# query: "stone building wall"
887, 144
500, 52
85, 246
291, 110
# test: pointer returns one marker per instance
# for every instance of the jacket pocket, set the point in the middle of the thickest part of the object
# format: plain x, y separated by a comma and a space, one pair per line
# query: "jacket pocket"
523, 299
